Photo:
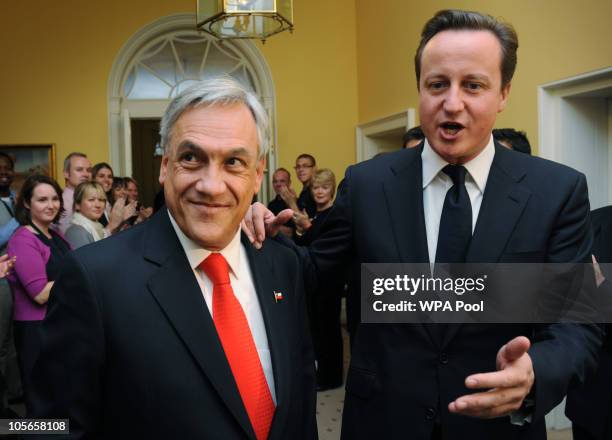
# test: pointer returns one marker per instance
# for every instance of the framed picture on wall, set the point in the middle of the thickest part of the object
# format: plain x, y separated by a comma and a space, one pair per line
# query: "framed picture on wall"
30, 159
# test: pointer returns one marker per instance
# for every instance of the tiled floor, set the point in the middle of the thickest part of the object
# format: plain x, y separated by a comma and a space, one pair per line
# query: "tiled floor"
329, 413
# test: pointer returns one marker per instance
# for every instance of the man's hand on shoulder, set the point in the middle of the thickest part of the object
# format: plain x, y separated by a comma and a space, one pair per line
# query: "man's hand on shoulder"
259, 223
504, 390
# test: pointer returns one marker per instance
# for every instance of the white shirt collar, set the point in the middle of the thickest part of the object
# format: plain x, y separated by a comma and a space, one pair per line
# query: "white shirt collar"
196, 254
478, 168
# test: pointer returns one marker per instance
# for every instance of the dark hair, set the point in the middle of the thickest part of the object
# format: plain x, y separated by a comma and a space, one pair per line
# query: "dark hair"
117, 182
9, 158
456, 19
307, 156
284, 170
127, 180
517, 139
22, 213
415, 133
97, 167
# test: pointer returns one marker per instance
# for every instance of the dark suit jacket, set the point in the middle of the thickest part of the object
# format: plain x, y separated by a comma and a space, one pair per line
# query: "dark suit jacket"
130, 349
400, 382
590, 406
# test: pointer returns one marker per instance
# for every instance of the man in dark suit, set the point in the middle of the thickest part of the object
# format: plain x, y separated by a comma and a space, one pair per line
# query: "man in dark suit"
178, 328
589, 407
459, 197
281, 183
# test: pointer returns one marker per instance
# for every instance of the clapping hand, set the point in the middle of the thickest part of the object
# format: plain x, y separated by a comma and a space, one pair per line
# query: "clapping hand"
301, 220
289, 197
6, 264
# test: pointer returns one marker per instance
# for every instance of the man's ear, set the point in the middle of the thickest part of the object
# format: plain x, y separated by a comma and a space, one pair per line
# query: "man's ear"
505, 92
163, 170
259, 170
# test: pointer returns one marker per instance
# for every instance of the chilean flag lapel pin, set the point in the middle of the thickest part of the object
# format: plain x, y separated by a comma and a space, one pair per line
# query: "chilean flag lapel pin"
278, 296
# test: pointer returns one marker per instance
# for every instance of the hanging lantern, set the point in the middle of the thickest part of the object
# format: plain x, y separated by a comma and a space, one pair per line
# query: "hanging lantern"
245, 18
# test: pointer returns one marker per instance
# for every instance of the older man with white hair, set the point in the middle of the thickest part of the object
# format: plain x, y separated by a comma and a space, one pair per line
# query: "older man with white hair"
178, 328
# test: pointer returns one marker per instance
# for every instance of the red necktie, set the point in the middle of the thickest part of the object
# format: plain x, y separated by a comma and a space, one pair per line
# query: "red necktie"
239, 346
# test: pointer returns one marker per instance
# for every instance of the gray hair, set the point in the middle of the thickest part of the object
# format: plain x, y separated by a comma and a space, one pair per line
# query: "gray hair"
69, 158
218, 91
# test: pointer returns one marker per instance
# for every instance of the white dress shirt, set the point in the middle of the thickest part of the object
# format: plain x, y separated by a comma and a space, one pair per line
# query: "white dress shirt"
436, 184
244, 290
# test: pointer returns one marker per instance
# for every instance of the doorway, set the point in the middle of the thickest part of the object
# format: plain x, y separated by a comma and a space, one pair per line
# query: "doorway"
576, 129
146, 158
383, 135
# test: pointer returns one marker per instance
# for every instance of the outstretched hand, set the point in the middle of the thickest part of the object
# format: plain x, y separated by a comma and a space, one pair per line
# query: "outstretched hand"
503, 390
259, 223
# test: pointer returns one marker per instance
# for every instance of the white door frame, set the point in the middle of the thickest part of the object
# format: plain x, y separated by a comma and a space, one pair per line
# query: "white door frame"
559, 137
550, 98
366, 146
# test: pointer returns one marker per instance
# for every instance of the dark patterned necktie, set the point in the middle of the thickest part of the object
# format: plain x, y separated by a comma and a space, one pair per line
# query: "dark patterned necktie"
454, 235
456, 221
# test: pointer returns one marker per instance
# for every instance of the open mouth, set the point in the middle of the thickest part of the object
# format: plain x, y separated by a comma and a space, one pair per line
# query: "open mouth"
451, 128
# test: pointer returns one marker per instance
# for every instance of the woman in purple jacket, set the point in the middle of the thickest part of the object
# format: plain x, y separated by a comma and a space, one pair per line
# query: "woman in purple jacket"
39, 251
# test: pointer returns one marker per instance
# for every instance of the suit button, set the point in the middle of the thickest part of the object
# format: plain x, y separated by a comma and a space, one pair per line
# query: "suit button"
443, 358
430, 413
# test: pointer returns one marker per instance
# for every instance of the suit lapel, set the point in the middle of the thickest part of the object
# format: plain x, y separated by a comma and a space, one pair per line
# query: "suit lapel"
503, 203
275, 316
404, 196
178, 293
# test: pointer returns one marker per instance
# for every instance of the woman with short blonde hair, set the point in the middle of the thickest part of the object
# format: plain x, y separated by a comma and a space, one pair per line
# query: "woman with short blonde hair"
89, 204
324, 306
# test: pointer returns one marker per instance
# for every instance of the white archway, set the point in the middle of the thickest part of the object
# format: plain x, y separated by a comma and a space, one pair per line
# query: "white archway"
121, 108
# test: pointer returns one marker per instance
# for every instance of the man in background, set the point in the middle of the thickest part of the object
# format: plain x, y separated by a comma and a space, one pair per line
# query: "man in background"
281, 183
512, 139
413, 137
10, 384
77, 169
589, 405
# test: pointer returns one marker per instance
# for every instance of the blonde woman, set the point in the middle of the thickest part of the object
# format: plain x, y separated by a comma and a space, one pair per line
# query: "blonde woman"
324, 305
89, 204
